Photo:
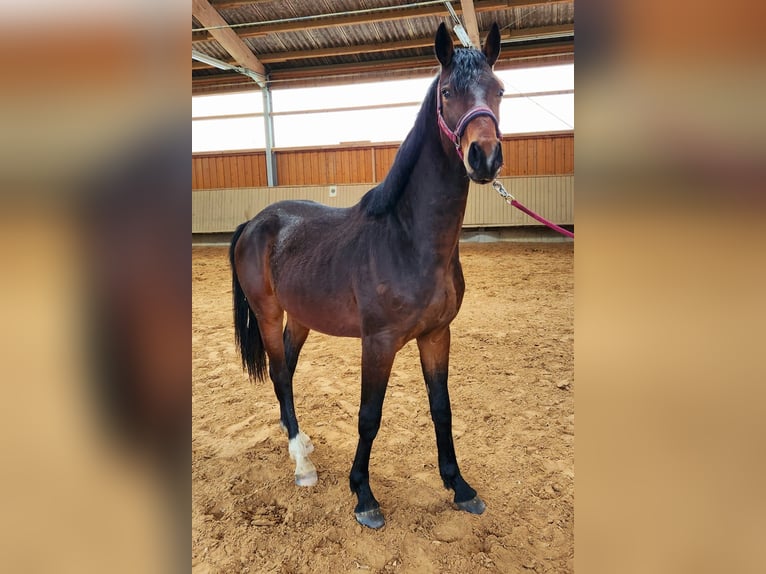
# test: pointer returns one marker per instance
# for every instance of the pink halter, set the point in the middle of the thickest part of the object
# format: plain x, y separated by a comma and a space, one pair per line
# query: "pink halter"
462, 123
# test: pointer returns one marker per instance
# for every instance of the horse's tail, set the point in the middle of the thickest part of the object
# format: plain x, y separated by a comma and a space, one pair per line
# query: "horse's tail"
246, 333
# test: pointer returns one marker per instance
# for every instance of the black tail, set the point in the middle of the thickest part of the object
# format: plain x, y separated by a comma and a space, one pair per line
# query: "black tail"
246, 332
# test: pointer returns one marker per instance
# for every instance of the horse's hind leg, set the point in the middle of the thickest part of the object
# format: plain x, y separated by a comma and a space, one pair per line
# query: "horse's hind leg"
283, 349
300, 446
434, 359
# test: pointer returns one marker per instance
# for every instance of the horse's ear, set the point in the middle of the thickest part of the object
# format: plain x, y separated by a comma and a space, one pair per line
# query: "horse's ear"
443, 46
492, 45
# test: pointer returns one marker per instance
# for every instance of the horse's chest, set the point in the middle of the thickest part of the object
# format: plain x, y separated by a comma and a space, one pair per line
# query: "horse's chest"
444, 304
426, 302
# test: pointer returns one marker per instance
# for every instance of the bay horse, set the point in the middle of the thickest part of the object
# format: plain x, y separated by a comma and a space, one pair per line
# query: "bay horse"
386, 270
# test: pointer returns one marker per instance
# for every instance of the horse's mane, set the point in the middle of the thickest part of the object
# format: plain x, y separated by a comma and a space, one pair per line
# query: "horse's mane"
467, 66
381, 198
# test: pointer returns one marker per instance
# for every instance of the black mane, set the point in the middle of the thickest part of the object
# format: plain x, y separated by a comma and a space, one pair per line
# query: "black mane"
467, 67
381, 198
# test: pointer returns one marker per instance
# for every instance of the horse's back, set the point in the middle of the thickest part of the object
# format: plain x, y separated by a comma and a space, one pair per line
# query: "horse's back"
301, 251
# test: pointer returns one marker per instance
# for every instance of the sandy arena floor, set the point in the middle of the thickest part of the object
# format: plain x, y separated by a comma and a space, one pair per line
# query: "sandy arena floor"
511, 383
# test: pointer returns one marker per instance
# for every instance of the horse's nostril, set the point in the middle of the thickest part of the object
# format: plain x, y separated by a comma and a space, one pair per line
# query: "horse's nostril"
475, 156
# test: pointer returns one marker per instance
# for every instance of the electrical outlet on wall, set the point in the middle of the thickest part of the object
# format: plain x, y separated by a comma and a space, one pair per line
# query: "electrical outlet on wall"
333, 190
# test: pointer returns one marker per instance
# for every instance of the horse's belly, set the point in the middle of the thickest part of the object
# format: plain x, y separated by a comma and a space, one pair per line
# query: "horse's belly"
324, 315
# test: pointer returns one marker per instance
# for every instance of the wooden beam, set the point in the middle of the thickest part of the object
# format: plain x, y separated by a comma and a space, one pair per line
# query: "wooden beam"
538, 32
511, 35
421, 62
419, 66
471, 26
389, 15
237, 83
233, 44
222, 4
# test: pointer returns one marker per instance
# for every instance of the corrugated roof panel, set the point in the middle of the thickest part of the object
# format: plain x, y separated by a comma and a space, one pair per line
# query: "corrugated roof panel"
370, 33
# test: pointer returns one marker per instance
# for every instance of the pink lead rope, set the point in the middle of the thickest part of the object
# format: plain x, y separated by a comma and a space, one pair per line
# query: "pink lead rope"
510, 200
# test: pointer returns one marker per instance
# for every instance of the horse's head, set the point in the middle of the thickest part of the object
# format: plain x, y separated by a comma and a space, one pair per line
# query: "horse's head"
468, 103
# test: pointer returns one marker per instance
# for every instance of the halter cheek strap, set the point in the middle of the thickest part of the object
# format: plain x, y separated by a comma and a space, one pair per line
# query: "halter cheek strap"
457, 135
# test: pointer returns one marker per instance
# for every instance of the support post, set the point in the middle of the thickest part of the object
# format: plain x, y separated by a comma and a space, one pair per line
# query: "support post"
268, 119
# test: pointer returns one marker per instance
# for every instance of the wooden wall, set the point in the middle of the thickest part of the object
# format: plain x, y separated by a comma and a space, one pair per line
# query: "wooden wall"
228, 170
526, 155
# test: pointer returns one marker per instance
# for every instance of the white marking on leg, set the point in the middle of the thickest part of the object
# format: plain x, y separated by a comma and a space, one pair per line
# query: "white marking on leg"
305, 471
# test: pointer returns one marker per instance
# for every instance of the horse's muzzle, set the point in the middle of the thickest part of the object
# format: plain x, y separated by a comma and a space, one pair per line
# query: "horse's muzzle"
484, 160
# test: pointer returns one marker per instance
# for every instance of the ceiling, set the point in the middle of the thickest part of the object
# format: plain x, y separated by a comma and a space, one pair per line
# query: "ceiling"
291, 43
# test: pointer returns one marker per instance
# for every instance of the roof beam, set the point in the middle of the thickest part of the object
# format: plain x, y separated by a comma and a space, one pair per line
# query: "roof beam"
226, 37
222, 4
469, 19
507, 37
553, 52
425, 62
389, 15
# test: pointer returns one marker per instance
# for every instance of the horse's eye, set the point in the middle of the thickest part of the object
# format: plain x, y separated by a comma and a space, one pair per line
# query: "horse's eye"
500, 93
445, 93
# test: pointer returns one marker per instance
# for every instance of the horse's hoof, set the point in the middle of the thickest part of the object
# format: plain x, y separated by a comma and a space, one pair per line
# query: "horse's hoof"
370, 518
474, 506
306, 479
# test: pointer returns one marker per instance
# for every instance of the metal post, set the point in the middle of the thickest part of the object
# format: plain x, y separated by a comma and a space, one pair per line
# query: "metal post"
271, 164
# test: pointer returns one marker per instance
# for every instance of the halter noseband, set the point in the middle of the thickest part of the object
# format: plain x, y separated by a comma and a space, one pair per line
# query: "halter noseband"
462, 123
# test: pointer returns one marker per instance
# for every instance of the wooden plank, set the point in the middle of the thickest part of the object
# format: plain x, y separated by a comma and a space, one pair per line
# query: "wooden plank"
221, 4
259, 164
365, 164
249, 180
314, 163
306, 175
345, 166
281, 161
471, 26
305, 168
226, 36
234, 176
200, 175
524, 159
241, 181
356, 167
210, 168
227, 179
285, 171
325, 168
256, 163
353, 167
220, 166
332, 168
559, 157
569, 160
206, 172
509, 157
278, 57
550, 159
538, 147
294, 171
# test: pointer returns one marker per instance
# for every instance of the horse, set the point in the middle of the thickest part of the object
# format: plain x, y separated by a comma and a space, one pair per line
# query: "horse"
386, 270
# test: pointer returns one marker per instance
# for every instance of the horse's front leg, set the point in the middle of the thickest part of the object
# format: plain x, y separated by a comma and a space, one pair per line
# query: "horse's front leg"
377, 358
434, 359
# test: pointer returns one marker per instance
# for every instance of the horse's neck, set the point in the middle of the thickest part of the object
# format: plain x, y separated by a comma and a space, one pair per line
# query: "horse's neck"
434, 201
